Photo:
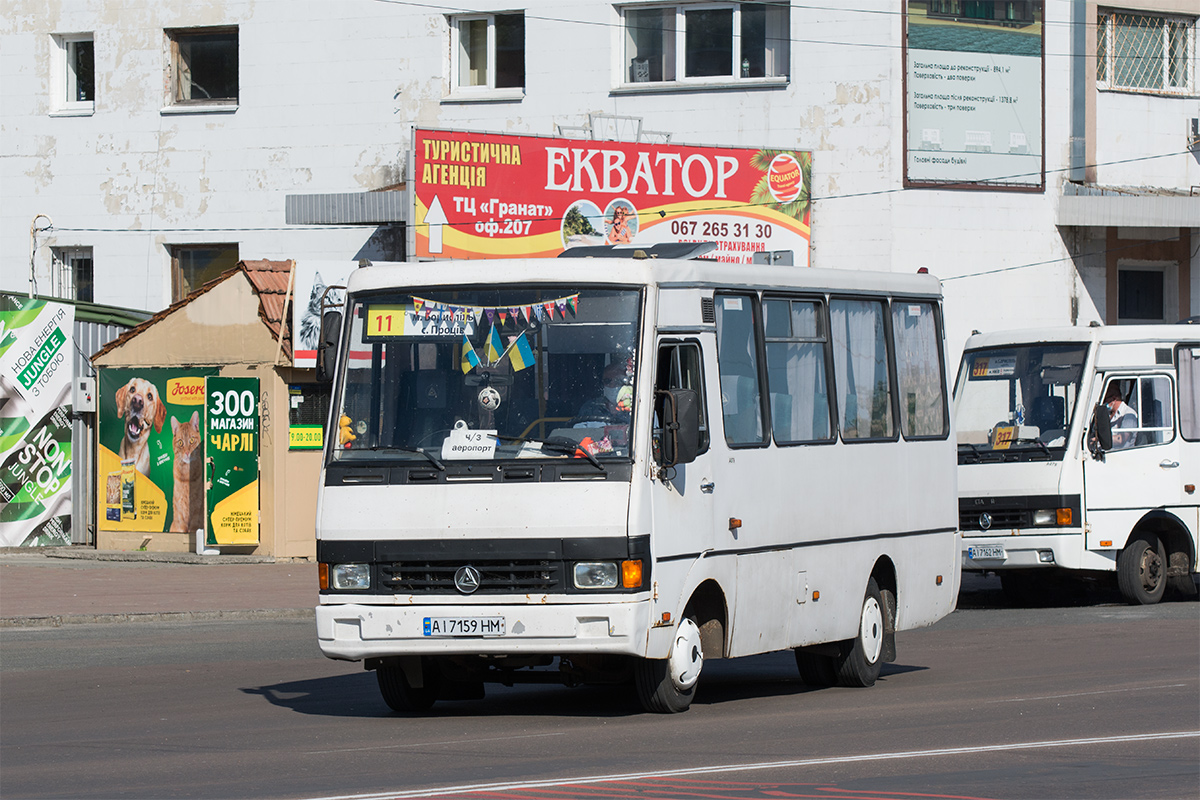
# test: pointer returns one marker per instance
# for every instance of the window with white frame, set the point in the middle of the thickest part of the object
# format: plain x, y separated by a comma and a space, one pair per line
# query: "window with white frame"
73, 277
488, 52
204, 66
75, 73
1140, 52
705, 42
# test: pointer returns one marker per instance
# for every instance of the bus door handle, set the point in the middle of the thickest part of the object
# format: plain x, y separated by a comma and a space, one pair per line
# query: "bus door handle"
708, 487
1167, 463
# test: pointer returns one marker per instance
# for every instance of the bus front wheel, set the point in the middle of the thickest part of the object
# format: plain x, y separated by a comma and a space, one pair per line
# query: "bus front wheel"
862, 656
1142, 570
666, 686
399, 694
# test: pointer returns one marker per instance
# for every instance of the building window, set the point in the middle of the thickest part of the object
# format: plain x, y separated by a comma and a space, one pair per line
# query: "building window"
204, 66
73, 278
1140, 295
1145, 53
194, 265
722, 42
75, 73
489, 52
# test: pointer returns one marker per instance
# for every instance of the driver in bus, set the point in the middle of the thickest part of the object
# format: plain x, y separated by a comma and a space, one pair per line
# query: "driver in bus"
612, 408
1120, 415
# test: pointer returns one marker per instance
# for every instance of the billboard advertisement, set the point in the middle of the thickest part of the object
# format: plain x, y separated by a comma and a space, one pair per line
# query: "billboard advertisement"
314, 283
490, 195
231, 445
975, 99
150, 462
37, 353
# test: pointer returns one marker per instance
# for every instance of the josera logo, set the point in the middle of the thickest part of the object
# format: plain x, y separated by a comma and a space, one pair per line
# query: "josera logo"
186, 391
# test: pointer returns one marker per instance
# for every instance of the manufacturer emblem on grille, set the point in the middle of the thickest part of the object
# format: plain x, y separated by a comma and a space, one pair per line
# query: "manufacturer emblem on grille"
985, 521
466, 580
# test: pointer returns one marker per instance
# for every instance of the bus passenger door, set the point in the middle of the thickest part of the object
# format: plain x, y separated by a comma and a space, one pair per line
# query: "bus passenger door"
682, 496
1147, 466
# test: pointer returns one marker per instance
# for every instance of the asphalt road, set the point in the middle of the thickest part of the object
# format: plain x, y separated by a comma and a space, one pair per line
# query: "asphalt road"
1099, 701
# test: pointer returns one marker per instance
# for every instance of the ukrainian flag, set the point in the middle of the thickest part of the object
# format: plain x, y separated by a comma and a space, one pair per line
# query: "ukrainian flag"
495, 348
520, 354
470, 359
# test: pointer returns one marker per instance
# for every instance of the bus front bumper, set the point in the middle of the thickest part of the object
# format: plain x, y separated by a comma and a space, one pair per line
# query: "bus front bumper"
1032, 550
354, 631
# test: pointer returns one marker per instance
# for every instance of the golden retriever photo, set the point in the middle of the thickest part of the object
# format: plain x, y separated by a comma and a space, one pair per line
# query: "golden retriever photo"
139, 404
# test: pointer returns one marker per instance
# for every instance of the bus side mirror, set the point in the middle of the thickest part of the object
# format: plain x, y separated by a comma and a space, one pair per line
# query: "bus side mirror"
1100, 439
679, 411
331, 327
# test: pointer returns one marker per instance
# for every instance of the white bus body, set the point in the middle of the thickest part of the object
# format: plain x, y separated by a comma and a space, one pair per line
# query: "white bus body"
456, 548
1039, 494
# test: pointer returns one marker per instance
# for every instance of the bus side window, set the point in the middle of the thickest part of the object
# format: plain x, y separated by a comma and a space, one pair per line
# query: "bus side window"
796, 370
919, 374
860, 362
737, 361
679, 368
1188, 359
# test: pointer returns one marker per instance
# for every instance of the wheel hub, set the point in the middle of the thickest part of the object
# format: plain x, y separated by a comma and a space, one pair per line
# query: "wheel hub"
687, 655
871, 630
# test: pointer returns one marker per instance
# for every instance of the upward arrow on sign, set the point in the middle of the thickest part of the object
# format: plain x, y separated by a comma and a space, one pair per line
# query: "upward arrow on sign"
435, 218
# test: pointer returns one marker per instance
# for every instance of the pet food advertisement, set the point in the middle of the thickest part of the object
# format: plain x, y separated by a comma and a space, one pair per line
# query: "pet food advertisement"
37, 355
487, 195
150, 463
232, 442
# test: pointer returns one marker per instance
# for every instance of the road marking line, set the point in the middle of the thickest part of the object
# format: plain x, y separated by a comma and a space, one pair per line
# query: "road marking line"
1086, 694
806, 762
430, 744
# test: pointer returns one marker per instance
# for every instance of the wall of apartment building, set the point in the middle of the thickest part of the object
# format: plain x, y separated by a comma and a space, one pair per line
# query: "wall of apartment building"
328, 96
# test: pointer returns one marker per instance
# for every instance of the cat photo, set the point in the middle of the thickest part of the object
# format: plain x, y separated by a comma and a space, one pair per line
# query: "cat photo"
187, 500
310, 319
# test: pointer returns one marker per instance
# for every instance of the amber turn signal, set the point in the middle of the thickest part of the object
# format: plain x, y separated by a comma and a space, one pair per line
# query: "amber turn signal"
631, 574
323, 575
1064, 516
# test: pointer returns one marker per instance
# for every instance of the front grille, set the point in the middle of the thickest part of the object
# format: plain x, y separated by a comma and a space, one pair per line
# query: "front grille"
1001, 518
503, 576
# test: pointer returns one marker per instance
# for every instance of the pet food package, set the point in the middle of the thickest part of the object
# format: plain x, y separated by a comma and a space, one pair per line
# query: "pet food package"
128, 486
112, 497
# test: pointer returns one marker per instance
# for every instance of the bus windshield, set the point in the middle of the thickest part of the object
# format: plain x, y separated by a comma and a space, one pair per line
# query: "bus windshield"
469, 374
1018, 398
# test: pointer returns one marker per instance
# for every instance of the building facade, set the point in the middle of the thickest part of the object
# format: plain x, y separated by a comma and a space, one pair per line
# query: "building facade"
148, 146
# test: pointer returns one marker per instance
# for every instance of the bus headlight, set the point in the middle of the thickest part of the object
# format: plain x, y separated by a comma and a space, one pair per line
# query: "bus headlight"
1053, 516
351, 576
596, 575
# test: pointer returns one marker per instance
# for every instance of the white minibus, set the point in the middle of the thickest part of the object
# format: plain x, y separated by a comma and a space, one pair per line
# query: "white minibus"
1079, 450
609, 470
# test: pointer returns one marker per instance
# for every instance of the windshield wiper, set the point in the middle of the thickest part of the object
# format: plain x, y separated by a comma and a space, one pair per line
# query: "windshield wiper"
1038, 442
560, 443
432, 458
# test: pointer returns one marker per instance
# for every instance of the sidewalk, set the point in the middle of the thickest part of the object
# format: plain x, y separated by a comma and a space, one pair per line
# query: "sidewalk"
63, 585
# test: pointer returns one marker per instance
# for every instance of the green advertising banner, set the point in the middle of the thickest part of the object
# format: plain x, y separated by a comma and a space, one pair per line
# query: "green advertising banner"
150, 463
36, 358
231, 446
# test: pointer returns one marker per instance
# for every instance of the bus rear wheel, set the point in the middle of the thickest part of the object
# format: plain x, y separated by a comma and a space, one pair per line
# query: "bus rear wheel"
817, 669
667, 686
399, 694
862, 656
1142, 570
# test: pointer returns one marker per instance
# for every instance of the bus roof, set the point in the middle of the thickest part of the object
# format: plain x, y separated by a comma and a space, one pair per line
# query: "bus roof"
1112, 334
629, 271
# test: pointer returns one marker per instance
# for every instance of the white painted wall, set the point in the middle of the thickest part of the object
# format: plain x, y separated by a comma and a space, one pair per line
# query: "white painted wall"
329, 93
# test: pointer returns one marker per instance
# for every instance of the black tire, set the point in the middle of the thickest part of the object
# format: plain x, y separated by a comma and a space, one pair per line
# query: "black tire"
667, 686
862, 656
1142, 570
816, 669
398, 694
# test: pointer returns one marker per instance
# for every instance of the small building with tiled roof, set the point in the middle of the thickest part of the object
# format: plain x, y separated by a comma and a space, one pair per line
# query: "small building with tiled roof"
235, 326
